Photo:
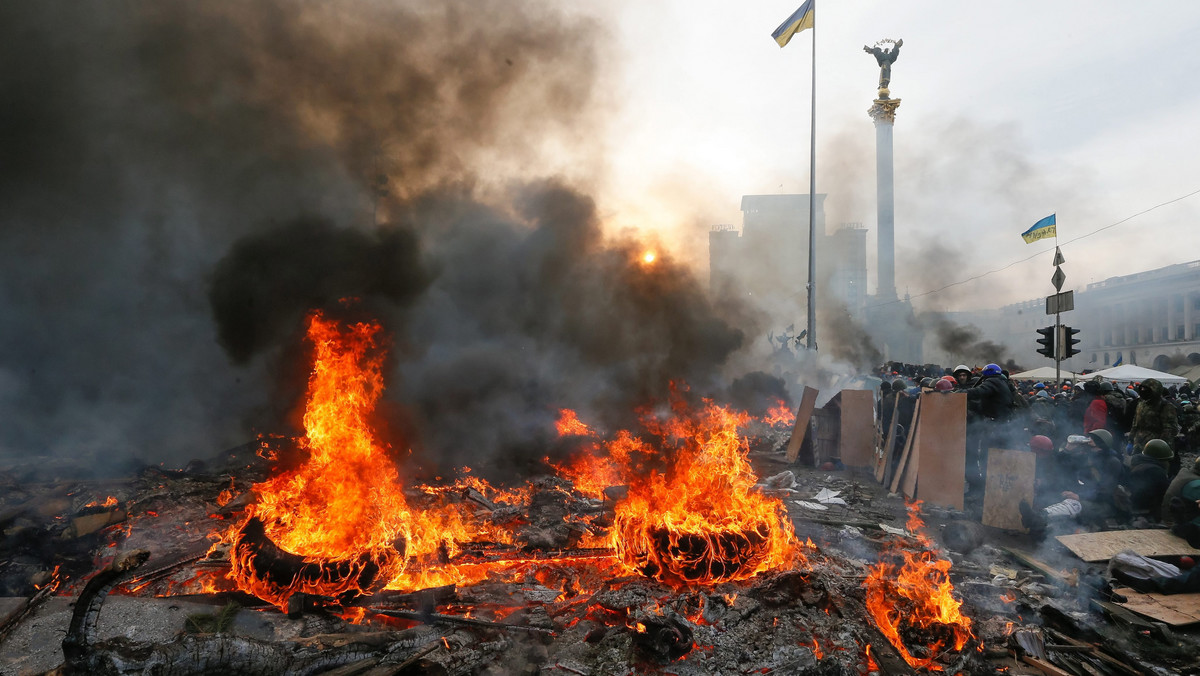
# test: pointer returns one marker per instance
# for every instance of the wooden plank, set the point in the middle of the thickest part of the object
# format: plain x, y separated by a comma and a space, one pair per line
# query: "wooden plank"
908, 478
1010, 479
857, 443
1093, 547
908, 444
1029, 560
883, 459
808, 402
942, 437
1177, 610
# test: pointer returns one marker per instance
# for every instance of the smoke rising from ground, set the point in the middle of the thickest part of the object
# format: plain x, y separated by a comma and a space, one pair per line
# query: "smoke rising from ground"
142, 140
183, 183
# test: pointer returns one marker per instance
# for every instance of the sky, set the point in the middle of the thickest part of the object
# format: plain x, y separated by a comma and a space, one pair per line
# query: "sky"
1009, 112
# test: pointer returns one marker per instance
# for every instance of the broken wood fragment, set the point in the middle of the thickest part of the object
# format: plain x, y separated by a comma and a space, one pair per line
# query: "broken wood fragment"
435, 618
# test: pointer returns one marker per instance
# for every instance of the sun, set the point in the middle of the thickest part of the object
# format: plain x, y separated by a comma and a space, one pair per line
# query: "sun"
649, 257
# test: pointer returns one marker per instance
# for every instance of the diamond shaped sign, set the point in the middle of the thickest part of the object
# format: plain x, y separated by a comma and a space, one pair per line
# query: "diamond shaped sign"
1058, 279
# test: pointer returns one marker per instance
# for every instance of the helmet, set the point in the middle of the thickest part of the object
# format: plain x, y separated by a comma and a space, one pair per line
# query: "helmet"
1040, 386
1041, 444
991, 370
961, 367
927, 382
897, 385
1158, 449
1102, 437
943, 385
1043, 394
1106, 387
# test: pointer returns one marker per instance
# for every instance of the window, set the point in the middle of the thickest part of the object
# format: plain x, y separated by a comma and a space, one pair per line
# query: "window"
1107, 338
1107, 361
1179, 332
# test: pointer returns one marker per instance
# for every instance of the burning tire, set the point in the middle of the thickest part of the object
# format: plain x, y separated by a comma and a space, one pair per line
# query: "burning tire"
273, 574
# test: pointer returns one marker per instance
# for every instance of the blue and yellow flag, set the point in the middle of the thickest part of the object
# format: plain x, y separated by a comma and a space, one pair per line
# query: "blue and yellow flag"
798, 21
1040, 230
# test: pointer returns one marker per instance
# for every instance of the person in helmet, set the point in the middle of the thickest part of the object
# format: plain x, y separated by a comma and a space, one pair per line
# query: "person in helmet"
944, 384
1148, 479
962, 373
1079, 482
1155, 417
989, 407
1171, 513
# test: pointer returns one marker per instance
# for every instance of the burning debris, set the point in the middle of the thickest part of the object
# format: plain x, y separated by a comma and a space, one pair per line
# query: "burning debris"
654, 546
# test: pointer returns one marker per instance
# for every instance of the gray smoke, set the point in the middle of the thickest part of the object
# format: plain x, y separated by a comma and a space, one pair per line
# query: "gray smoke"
966, 342
184, 182
141, 140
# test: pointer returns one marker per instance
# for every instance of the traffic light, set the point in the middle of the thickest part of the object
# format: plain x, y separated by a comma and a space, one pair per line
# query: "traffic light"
1046, 341
1067, 342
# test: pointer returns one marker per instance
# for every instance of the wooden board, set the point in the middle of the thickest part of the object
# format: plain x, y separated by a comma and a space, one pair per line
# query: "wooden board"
1175, 609
942, 447
883, 459
803, 415
1010, 478
857, 443
908, 445
908, 478
1094, 547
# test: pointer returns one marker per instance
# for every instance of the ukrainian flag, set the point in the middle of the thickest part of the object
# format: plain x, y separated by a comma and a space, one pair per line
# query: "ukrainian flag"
1040, 230
798, 21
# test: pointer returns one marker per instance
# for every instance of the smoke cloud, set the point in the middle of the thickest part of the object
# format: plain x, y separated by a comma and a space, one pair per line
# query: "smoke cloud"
184, 182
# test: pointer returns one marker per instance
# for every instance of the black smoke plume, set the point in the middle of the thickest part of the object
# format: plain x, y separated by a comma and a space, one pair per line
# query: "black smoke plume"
141, 140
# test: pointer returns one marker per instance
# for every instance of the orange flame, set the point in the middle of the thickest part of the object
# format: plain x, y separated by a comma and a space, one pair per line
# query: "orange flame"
569, 424
697, 521
922, 585
780, 414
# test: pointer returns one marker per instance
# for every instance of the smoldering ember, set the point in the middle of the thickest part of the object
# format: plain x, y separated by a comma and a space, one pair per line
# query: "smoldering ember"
332, 347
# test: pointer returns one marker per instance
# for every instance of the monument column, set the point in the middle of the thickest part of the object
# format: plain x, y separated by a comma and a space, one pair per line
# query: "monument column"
884, 115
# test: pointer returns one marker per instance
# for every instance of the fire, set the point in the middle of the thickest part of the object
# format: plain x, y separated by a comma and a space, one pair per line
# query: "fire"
780, 414
917, 594
569, 424
696, 520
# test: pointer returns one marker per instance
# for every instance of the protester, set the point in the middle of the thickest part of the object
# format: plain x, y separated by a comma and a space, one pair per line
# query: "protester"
1155, 417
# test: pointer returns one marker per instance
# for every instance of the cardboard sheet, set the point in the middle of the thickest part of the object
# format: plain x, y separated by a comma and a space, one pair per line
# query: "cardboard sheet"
1010, 477
857, 443
1102, 546
942, 446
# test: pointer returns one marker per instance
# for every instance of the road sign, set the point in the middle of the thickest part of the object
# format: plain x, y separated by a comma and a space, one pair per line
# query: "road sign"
1058, 257
1058, 278
1060, 302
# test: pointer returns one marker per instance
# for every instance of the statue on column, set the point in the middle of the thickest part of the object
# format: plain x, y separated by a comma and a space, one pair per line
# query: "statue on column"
885, 58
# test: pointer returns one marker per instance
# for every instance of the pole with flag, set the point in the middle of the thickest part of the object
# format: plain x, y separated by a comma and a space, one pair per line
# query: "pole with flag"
804, 18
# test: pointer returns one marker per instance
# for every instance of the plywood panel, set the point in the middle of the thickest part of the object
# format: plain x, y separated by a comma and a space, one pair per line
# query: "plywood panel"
1174, 609
883, 459
803, 415
1010, 479
942, 432
1102, 546
858, 428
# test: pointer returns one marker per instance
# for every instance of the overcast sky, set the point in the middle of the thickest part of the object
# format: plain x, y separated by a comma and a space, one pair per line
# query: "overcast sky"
1010, 111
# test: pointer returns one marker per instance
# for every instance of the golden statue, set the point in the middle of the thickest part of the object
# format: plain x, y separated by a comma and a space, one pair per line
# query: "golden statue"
885, 58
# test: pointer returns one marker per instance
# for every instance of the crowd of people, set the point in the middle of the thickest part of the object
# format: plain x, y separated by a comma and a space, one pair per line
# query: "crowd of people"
1105, 452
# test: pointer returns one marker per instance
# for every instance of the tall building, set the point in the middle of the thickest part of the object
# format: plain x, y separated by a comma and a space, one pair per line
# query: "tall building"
766, 261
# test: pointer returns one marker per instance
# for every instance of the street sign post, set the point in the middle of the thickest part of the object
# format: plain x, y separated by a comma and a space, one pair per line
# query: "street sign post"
1060, 302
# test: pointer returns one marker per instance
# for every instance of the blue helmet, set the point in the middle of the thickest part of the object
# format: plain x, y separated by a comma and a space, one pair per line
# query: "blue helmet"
991, 370
1040, 386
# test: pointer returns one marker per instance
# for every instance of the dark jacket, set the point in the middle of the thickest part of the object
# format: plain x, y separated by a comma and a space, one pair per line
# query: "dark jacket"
1155, 417
991, 398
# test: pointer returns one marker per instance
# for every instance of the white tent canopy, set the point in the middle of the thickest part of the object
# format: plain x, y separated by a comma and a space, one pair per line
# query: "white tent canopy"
1044, 373
1130, 373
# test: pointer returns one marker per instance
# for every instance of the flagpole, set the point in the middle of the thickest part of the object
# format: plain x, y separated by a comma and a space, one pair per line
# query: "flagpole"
812, 194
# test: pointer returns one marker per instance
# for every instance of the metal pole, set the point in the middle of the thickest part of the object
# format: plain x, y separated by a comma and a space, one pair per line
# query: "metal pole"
812, 197
1058, 350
